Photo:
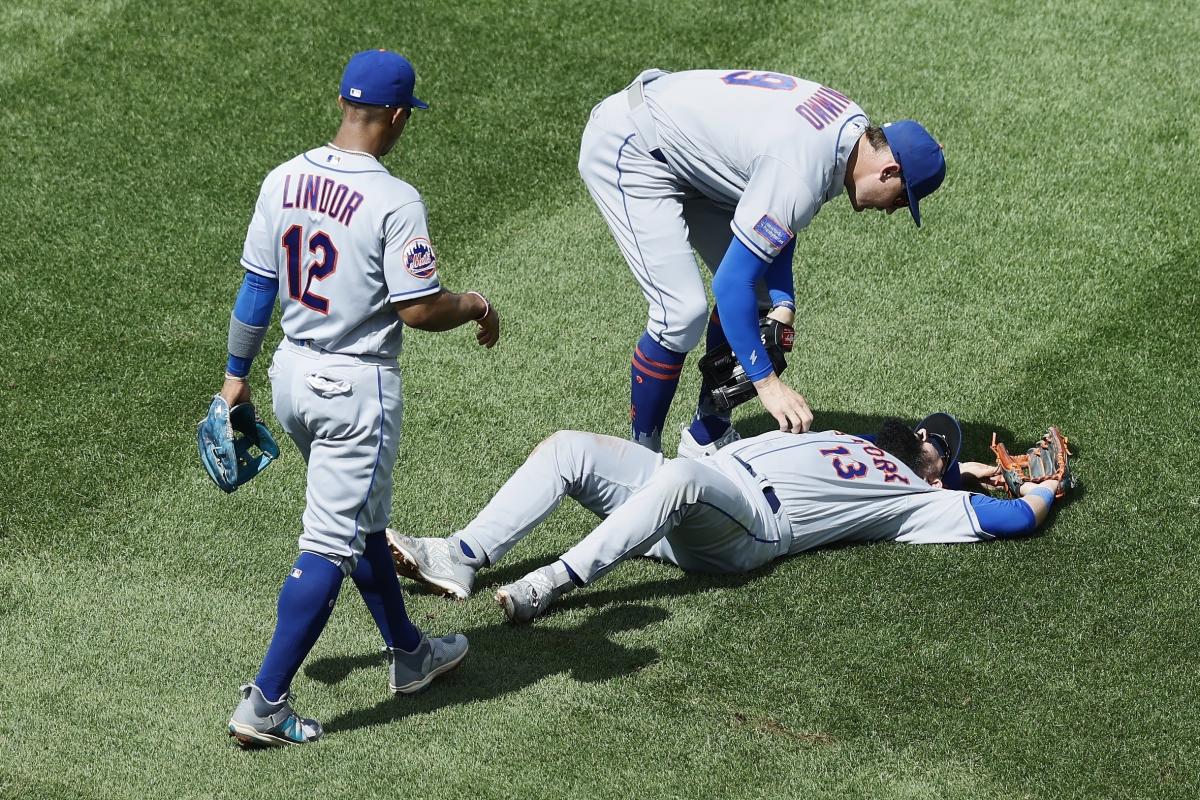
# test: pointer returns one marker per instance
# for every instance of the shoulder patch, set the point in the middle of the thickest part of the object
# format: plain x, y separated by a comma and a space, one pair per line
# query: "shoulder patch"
772, 231
419, 258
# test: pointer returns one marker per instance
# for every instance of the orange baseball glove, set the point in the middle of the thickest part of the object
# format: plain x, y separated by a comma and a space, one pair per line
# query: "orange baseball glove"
1048, 459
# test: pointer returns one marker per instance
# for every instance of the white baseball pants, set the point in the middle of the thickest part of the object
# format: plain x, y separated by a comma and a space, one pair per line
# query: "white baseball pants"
704, 515
343, 412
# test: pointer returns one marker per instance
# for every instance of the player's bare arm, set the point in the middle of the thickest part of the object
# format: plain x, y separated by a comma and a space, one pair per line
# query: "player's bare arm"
447, 310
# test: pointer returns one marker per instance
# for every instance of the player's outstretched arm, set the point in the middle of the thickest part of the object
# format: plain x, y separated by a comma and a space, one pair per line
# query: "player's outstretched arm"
446, 310
1022, 516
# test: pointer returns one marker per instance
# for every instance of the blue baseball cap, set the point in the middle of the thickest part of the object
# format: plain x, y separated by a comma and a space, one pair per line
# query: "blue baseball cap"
921, 161
943, 432
380, 78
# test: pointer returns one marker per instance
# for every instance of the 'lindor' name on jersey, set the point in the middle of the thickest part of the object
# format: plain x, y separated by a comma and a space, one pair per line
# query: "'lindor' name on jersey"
321, 194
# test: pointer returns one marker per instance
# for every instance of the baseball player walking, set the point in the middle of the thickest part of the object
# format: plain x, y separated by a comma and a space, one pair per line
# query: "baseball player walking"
755, 500
344, 246
734, 164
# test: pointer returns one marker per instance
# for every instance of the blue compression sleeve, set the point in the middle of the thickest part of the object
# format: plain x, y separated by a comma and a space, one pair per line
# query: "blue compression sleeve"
1003, 519
733, 287
253, 307
779, 278
256, 299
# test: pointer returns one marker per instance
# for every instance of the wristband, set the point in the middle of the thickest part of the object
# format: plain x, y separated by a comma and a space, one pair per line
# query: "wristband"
1043, 492
487, 307
785, 304
229, 376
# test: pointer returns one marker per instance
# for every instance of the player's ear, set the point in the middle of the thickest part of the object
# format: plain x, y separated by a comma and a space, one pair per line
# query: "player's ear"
891, 169
936, 483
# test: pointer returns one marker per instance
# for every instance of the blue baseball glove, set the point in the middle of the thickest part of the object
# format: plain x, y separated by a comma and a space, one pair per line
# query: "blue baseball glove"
229, 440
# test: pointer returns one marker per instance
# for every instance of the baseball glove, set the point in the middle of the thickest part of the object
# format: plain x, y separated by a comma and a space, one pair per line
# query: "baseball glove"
229, 439
1049, 459
724, 377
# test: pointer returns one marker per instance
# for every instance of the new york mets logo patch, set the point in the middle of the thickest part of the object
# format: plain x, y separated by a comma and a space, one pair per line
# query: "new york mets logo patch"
772, 231
419, 258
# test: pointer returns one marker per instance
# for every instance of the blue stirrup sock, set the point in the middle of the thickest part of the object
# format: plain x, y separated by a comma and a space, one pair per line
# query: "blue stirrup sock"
375, 577
653, 378
710, 424
305, 603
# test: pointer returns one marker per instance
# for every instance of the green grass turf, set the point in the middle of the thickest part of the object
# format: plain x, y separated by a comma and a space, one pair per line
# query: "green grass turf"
1054, 281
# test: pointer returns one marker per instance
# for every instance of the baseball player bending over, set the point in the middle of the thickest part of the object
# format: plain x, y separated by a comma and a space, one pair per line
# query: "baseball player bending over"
755, 500
732, 163
344, 246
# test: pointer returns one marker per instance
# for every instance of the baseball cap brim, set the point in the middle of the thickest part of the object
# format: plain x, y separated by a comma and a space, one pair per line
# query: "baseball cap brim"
912, 202
419, 103
945, 425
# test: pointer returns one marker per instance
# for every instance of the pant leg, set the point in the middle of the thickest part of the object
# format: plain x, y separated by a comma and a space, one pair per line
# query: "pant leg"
642, 203
600, 472
711, 522
349, 415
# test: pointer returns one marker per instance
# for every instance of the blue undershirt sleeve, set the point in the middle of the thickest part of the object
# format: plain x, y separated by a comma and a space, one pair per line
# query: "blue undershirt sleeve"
1003, 519
255, 301
779, 278
733, 288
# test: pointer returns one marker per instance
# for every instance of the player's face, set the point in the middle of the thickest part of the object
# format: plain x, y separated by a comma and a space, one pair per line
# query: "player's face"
397, 128
883, 191
936, 450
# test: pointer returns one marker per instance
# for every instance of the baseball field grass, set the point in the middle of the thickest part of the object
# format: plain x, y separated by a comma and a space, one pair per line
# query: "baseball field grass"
1054, 281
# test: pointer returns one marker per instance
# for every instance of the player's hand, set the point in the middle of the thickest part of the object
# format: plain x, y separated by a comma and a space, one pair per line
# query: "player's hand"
782, 314
235, 391
983, 473
488, 331
788, 407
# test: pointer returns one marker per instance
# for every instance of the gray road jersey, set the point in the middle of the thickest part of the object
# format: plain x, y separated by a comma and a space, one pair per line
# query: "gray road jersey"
839, 488
773, 146
346, 239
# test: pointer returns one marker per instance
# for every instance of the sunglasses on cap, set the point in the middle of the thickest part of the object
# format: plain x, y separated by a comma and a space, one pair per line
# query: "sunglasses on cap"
941, 444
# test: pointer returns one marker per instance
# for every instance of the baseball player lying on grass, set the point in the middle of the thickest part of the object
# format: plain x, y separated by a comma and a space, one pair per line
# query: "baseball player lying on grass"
755, 500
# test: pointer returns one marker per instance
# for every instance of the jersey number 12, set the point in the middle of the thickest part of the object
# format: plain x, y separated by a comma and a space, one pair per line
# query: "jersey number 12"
323, 264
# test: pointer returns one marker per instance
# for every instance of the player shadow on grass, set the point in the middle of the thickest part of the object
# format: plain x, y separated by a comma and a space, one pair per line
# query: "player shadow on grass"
977, 436
681, 583
506, 658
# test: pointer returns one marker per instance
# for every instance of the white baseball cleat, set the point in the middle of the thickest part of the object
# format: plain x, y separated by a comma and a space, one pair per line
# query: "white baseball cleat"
527, 598
433, 563
690, 448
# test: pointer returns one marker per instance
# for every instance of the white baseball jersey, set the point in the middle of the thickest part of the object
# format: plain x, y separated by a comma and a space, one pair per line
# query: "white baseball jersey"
346, 239
839, 488
774, 146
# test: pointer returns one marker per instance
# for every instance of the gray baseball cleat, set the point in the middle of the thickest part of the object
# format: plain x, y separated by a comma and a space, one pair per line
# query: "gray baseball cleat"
433, 563
690, 448
409, 673
527, 598
259, 723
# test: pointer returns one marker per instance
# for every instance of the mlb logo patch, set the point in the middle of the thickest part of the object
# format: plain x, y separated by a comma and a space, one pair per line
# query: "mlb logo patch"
356, 92
419, 258
772, 231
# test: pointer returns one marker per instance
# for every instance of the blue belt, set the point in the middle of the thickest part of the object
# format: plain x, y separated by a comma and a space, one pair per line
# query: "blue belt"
767, 490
